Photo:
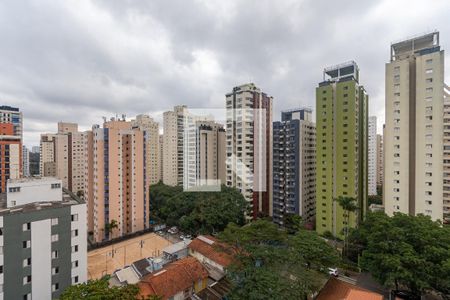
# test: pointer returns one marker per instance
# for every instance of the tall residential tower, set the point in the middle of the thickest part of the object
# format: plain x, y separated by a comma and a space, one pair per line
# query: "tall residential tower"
413, 144
294, 166
341, 157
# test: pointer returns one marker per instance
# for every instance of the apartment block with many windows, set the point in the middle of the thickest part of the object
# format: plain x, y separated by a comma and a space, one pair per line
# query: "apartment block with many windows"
342, 148
294, 166
43, 243
413, 143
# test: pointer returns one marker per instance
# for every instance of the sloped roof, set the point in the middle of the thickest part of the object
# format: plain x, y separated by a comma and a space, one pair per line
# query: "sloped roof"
173, 278
336, 289
209, 247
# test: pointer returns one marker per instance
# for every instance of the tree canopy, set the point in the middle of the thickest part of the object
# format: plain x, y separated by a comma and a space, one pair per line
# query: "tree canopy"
197, 212
272, 264
403, 251
100, 290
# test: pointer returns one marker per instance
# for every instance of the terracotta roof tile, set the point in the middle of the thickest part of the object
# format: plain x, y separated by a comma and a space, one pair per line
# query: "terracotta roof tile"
215, 251
336, 289
173, 278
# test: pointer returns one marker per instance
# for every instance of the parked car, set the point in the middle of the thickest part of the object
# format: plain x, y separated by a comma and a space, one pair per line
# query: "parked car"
333, 272
160, 232
188, 237
182, 237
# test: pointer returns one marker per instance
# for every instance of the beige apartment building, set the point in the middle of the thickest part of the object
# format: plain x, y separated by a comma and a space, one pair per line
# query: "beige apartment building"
150, 128
446, 196
249, 146
161, 162
204, 154
413, 143
63, 155
380, 160
115, 180
173, 126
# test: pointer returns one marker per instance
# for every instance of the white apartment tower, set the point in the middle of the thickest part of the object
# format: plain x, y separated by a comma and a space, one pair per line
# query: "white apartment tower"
413, 141
446, 151
372, 156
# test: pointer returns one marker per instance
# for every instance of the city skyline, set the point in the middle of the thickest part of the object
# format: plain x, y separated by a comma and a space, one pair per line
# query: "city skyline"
123, 61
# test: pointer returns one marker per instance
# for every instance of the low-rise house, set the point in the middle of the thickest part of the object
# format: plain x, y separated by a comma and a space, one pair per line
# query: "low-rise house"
336, 289
177, 251
180, 279
213, 254
124, 277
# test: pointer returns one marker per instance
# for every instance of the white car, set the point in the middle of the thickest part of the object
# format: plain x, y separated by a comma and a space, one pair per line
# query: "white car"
333, 272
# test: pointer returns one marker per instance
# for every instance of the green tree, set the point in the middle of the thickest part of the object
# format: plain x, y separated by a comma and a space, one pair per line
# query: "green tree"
99, 289
407, 252
349, 205
109, 227
198, 212
271, 264
293, 223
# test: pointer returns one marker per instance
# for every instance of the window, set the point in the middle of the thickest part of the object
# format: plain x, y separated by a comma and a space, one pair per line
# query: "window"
55, 270
1, 269
54, 221
14, 189
26, 226
428, 71
397, 68
74, 248
56, 185
55, 287
27, 262
54, 254
74, 217
429, 61
27, 296
75, 264
429, 90
27, 279
26, 244
75, 233
74, 279
429, 80
55, 237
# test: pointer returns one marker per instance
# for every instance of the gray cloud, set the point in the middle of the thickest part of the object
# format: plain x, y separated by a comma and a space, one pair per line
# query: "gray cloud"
81, 60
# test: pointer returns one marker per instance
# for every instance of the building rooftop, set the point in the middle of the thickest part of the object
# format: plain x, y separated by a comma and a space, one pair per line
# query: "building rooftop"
416, 44
10, 108
337, 72
338, 289
68, 198
209, 247
174, 248
173, 278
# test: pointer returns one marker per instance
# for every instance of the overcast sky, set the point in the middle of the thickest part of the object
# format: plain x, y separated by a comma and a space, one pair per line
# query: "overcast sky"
79, 60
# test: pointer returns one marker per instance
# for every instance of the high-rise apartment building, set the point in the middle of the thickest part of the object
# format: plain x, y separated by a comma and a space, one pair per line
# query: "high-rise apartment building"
35, 149
294, 166
249, 146
12, 115
173, 145
204, 154
413, 143
115, 179
341, 157
150, 128
372, 156
380, 160
10, 154
43, 245
446, 206
161, 160
25, 161
63, 155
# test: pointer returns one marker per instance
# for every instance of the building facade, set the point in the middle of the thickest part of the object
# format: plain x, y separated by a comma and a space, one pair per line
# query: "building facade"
342, 129
372, 156
10, 154
249, 146
204, 154
43, 241
380, 160
63, 155
413, 142
115, 180
25, 161
13, 116
294, 166
173, 146
446, 196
